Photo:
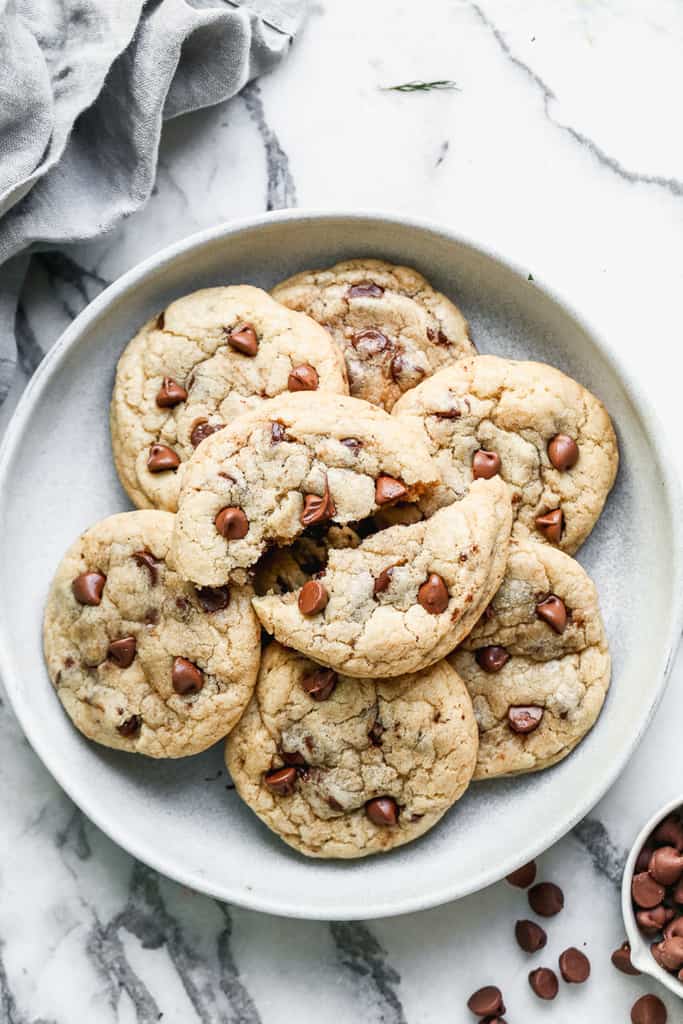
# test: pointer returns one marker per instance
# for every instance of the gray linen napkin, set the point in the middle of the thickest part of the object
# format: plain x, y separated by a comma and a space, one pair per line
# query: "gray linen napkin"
84, 88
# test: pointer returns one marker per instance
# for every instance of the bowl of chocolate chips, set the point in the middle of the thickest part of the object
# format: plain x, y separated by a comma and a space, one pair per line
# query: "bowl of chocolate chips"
652, 898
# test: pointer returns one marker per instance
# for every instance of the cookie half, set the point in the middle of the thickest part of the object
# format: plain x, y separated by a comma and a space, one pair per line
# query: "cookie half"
537, 665
341, 767
286, 466
547, 436
392, 326
404, 597
208, 358
140, 659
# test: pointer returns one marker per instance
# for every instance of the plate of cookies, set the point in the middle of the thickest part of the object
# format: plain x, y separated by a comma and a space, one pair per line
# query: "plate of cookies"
361, 581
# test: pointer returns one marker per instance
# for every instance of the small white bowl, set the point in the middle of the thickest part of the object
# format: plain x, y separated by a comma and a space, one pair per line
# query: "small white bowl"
641, 957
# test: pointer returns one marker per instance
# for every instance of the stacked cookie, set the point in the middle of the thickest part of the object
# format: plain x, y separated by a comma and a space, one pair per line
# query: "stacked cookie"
335, 465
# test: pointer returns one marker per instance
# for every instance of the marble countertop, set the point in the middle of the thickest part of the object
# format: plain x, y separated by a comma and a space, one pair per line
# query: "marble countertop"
561, 147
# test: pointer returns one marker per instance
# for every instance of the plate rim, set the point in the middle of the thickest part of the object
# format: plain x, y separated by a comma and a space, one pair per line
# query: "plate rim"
672, 492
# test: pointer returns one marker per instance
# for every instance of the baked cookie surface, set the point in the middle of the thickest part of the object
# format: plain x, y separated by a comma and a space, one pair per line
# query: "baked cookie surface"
209, 357
141, 660
537, 665
288, 465
547, 436
404, 597
342, 767
392, 326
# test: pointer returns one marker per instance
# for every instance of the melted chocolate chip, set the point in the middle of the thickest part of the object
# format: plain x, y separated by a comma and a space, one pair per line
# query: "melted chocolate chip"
281, 781
433, 595
130, 726
320, 684
243, 339
232, 523
122, 652
202, 429
365, 289
524, 719
87, 588
186, 677
303, 378
563, 452
313, 598
550, 525
388, 489
382, 811
162, 458
170, 394
146, 560
553, 611
485, 464
317, 509
213, 599
492, 658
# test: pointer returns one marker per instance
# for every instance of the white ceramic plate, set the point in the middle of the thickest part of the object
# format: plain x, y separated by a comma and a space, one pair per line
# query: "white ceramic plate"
57, 477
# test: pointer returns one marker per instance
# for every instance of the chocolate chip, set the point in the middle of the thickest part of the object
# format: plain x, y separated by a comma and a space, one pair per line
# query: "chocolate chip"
643, 858
621, 958
553, 611
122, 652
162, 458
375, 733
213, 599
574, 966
524, 719
303, 378
485, 464
491, 658
161, 320
674, 927
170, 393
87, 588
669, 953
563, 452
317, 509
243, 339
370, 342
277, 432
202, 429
313, 598
670, 832
146, 560
648, 1009
130, 727
389, 489
383, 581
550, 525
352, 443
281, 781
523, 877
293, 758
382, 811
232, 523
365, 289
530, 936
186, 677
666, 865
652, 921
645, 891
486, 1002
433, 595
544, 983
546, 899
320, 684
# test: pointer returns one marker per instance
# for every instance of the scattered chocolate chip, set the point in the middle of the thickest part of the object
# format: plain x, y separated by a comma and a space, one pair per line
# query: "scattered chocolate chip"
523, 877
277, 432
353, 443
666, 865
669, 953
293, 758
87, 588
652, 921
433, 595
563, 452
486, 1002
317, 509
574, 966
550, 525
544, 983
313, 598
130, 727
485, 464
648, 1009
146, 560
388, 489
303, 378
383, 581
122, 652
491, 658
670, 832
213, 599
365, 289
375, 733
232, 523
645, 891
202, 429
621, 958
382, 811
524, 719
553, 611
370, 342
546, 899
530, 936
162, 458
281, 781
186, 677
170, 393
320, 684
243, 339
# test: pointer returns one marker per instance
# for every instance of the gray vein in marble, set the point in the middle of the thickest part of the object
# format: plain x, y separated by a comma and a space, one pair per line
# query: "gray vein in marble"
607, 859
29, 352
280, 188
9, 1011
74, 837
443, 152
360, 952
671, 185
74, 286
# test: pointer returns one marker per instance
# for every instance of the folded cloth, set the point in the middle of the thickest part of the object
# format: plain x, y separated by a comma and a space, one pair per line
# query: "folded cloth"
84, 88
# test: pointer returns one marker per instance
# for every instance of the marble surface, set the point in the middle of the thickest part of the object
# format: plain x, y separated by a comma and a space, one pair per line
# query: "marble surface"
560, 147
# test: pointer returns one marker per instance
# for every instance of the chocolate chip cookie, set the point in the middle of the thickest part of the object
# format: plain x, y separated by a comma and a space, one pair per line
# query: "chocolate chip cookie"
404, 597
286, 466
392, 327
537, 664
140, 659
206, 359
543, 433
282, 570
341, 767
